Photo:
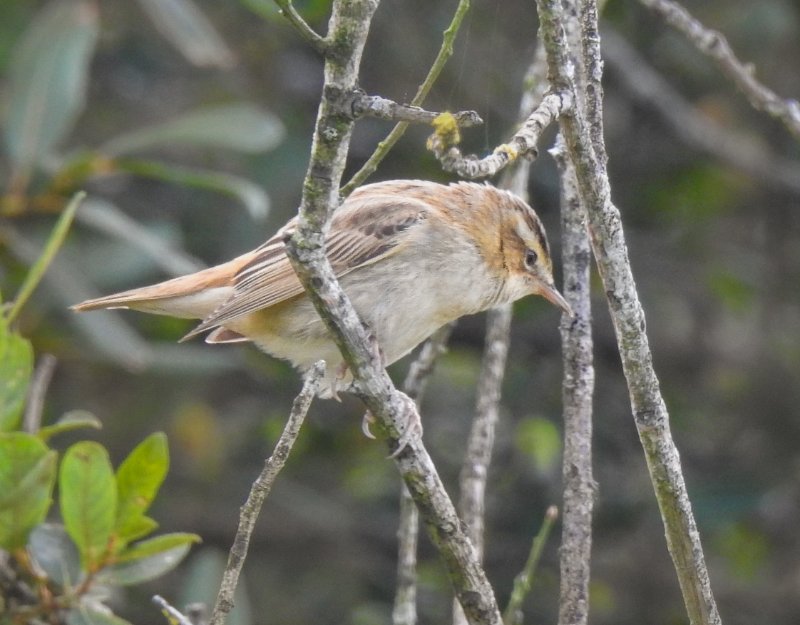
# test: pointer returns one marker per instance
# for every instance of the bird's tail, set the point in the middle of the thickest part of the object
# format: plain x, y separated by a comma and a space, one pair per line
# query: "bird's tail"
193, 296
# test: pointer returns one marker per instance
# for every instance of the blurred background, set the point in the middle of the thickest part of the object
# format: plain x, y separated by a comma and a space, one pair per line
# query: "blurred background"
192, 138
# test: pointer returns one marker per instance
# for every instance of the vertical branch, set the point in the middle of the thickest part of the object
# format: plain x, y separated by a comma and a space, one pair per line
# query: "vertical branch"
475, 468
404, 611
578, 388
610, 250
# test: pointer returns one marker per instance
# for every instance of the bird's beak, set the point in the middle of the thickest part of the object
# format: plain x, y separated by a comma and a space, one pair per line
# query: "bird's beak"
551, 294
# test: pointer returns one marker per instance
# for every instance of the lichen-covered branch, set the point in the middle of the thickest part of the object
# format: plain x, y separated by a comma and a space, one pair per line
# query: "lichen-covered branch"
259, 491
475, 467
610, 250
445, 52
714, 45
382, 108
404, 611
523, 143
348, 27
577, 392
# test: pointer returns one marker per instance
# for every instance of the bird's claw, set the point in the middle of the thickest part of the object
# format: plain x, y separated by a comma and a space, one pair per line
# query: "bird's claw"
413, 429
366, 421
411, 432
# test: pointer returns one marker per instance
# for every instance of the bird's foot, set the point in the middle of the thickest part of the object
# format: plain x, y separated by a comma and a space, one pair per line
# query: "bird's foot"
411, 432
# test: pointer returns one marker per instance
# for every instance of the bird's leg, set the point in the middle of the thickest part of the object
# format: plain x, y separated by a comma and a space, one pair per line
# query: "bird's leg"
377, 353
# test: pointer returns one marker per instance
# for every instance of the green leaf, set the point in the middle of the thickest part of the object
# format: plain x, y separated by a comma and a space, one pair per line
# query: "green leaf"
94, 615
27, 476
241, 127
138, 479
188, 29
136, 528
253, 197
156, 545
72, 420
48, 79
16, 368
54, 242
137, 571
88, 500
54, 553
539, 439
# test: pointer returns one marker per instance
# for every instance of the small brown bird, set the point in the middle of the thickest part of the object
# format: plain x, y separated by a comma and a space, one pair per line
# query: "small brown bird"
411, 255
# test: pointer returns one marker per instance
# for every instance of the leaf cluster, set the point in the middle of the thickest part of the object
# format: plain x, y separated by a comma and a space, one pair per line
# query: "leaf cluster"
62, 572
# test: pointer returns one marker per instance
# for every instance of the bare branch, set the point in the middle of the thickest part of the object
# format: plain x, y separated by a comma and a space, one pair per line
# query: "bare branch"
649, 409
577, 391
34, 404
259, 491
349, 24
523, 143
523, 582
729, 145
714, 45
475, 468
172, 614
383, 108
405, 598
445, 52
305, 31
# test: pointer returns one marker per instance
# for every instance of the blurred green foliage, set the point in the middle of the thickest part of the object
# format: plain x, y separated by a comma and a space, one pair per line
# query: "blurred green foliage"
62, 573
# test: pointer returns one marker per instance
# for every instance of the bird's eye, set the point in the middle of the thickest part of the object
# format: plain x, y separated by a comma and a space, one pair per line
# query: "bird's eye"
530, 259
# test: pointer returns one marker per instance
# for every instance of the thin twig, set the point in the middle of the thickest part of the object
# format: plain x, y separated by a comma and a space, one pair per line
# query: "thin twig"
51, 247
382, 108
309, 34
259, 491
475, 468
523, 582
714, 45
445, 52
523, 143
172, 614
478, 457
37, 391
649, 410
728, 144
404, 611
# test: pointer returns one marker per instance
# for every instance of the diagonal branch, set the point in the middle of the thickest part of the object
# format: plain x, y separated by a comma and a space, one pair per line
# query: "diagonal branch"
523, 143
445, 52
306, 32
348, 26
714, 45
729, 145
404, 611
259, 491
610, 250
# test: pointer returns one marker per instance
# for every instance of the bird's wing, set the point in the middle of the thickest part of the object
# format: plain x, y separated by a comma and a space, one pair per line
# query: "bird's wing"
363, 231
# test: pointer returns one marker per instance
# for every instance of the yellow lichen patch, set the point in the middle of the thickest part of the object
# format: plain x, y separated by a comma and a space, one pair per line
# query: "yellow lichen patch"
509, 150
445, 129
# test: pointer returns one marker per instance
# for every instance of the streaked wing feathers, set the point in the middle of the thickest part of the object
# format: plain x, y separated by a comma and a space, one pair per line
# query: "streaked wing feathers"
363, 231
